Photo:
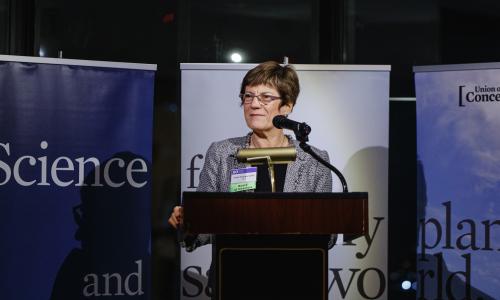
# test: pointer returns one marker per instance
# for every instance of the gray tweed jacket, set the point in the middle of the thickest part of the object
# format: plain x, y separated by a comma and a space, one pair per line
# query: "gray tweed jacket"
305, 174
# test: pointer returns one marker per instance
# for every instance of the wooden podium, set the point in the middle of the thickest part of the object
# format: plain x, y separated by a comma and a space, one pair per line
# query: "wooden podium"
273, 245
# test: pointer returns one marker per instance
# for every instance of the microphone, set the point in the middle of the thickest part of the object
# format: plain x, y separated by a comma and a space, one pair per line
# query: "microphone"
283, 122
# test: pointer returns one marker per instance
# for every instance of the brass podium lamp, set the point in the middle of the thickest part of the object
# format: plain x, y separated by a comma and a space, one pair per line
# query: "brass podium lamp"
270, 156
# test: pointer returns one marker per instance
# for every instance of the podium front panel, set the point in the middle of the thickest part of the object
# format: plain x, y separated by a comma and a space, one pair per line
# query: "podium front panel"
292, 267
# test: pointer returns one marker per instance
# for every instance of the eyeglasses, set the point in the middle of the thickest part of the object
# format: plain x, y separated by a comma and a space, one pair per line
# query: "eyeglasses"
263, 99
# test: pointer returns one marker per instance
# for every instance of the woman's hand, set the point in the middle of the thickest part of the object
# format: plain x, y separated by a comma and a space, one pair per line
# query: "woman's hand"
177, 217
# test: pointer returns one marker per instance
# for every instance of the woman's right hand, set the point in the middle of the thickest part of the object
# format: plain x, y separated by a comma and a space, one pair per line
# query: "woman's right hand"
177, 217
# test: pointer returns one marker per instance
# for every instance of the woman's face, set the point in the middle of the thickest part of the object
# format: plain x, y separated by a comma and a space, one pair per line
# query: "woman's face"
259, 116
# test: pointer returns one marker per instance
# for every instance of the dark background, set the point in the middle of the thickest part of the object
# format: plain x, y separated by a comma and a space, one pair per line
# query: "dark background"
167, 32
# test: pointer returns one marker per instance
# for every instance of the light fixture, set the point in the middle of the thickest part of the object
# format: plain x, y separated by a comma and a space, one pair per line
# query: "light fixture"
236, 57
406, 285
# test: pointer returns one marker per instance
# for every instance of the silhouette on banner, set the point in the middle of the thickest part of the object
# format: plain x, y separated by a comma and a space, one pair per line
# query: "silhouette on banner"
435, 280
113, 259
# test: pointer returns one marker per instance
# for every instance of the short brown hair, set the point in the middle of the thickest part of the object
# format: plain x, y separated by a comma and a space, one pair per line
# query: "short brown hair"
283, 78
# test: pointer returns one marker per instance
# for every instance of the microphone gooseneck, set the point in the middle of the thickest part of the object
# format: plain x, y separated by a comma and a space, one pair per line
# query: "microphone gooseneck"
302, 131
307, 148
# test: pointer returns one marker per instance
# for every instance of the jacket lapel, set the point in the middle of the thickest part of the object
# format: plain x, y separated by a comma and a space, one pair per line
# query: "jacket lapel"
232, 161
294, 171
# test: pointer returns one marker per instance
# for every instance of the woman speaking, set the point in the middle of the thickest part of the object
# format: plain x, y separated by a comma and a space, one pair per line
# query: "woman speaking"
268, 90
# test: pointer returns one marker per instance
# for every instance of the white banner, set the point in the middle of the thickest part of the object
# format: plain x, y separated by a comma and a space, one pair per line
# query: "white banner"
347, 108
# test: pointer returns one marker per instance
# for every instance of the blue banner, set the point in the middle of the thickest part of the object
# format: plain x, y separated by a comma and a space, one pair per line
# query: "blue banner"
75, 180
458, 119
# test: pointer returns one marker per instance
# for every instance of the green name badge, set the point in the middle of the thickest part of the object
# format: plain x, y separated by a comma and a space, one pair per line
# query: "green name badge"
243, 179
